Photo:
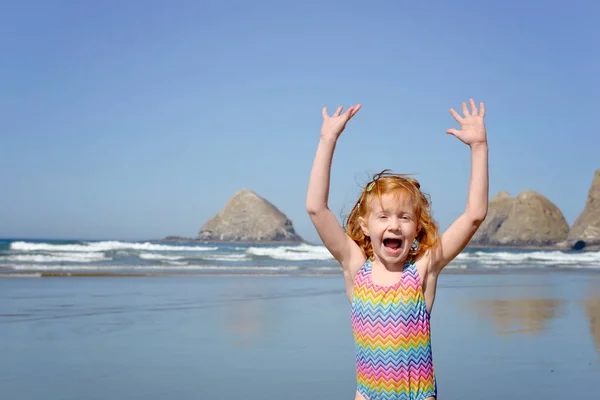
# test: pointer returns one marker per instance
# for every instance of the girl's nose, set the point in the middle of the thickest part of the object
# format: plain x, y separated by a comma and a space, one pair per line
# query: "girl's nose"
394, 224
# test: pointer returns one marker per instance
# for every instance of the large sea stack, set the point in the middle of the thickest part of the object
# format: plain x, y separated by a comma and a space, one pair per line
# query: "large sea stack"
529, 220
498, 210
585, 232
247, 217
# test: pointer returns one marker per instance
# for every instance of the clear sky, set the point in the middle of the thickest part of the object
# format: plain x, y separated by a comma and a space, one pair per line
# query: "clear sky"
140, 119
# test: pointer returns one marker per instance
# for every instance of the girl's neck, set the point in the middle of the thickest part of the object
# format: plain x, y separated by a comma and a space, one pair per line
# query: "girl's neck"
392, 267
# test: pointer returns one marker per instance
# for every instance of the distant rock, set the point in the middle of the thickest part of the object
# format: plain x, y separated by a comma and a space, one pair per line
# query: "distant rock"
529, 220
176, 239
585, 231
498, 210
247, 217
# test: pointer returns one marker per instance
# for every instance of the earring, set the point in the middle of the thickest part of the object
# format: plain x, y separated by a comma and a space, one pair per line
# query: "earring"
415, 245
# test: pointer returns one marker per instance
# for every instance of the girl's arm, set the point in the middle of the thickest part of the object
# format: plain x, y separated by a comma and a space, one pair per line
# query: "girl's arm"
339, 244
458, 235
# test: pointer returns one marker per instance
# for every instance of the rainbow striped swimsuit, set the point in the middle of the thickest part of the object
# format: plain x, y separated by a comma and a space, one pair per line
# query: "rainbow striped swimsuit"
392, 336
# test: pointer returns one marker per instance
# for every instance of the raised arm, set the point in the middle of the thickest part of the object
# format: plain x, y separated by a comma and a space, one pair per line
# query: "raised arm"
330, 231
473, 133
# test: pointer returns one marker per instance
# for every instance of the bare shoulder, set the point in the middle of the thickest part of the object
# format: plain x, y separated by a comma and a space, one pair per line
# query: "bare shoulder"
432, 260
335, 239
421, 265
350, 268
427, 266
353, 263
428, 275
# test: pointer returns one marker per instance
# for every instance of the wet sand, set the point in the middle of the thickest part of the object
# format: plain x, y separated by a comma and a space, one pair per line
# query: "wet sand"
513, 335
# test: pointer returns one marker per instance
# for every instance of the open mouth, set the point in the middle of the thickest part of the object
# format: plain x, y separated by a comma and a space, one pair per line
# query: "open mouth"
394, 244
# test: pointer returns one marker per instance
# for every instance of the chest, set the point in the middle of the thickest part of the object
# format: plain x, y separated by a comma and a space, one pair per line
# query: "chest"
386, 313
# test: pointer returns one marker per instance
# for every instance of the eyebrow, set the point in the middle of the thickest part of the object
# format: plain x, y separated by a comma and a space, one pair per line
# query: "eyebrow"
380, 210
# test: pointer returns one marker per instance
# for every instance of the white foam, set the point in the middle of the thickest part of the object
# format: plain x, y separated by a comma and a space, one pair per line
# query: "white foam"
104, 246
177, 263
29, 275
227, 257
531, 258
151, 267
303, 252
153, 256
457, 266
61, 257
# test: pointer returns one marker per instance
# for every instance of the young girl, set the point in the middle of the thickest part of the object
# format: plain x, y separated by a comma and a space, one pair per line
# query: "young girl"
391, 256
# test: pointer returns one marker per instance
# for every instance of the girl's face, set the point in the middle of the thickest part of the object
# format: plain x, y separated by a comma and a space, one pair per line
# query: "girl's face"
392, 226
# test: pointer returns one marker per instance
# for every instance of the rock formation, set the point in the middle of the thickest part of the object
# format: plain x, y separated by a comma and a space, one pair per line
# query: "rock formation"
529, 220
177, 239
498, 210
586, 229
247, 217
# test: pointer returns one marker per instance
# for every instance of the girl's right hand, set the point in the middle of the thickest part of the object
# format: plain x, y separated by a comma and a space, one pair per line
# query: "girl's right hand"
333, 126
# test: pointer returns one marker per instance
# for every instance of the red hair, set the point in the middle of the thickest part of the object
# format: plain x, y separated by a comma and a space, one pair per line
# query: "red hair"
383, 183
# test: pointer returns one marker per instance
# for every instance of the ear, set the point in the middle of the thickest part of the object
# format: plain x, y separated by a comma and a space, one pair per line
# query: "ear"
417, 232
363, 225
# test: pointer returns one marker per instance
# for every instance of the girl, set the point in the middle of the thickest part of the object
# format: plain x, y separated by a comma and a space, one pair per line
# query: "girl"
391, 256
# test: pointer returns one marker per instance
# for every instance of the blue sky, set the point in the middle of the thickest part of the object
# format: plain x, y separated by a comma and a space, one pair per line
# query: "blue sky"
140, 119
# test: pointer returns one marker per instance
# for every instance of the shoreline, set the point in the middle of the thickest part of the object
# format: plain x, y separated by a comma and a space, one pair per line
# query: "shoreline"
550, 247
450, 271
554, 247
559, 246
251, 242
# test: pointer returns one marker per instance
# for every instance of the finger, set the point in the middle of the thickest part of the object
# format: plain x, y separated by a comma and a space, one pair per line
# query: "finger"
353, 110
324, 111
473, 107
482, 109
348, 113
338, 111
456, 115
453, 131
465, 109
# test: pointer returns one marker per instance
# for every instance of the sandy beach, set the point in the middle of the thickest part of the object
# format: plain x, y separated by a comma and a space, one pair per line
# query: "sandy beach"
512, 335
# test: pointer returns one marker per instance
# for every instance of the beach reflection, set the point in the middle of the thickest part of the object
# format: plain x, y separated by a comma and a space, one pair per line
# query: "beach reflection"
592, 310
521, 315
246, 319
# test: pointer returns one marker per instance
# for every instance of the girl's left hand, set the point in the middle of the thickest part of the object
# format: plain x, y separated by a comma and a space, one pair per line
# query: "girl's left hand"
472, 128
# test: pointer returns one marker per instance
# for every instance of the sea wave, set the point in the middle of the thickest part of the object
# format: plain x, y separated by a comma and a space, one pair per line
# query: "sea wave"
304, 252
227, 257
104, 246
532, 258
154, 256
100, 268
62, 257
115, 255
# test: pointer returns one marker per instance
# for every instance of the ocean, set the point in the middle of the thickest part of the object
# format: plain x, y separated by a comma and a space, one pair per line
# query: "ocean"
150, 320
45, 257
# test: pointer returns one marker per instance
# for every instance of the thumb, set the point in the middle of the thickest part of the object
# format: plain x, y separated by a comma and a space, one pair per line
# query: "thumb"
453, 132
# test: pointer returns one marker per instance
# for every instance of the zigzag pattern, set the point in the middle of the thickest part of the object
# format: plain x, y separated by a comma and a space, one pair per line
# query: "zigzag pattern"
391, 331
